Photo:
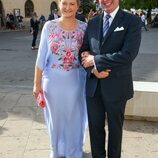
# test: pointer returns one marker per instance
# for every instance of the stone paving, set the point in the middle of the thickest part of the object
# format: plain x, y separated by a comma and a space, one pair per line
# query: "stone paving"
24, 135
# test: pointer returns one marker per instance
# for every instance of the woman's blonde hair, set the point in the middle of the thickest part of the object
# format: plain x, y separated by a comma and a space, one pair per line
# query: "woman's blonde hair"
78, 2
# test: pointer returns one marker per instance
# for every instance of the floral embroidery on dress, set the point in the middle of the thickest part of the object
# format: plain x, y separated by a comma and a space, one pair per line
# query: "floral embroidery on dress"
65, 45
54, 47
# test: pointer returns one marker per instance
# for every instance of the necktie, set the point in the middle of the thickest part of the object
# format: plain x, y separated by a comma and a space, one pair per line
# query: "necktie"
106, 24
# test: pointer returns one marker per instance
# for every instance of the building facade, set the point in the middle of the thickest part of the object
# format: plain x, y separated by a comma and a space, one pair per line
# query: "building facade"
26, 7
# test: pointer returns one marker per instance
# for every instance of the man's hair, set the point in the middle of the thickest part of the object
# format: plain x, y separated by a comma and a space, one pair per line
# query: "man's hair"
80, 10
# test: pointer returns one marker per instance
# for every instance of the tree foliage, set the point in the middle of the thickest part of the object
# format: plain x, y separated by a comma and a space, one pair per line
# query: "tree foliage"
145, 4
86, 5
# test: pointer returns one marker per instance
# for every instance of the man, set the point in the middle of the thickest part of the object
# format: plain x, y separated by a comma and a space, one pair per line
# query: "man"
54, 15
143, 18
80, 16
110, 45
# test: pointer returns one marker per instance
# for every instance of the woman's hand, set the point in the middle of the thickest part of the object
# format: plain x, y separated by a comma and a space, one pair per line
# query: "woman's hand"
36, 89
102, 74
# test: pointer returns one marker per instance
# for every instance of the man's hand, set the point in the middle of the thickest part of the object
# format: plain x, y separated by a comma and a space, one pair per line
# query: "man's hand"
102, 74
87, 59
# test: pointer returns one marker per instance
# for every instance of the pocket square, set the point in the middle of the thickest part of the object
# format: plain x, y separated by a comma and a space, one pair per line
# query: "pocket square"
119, 29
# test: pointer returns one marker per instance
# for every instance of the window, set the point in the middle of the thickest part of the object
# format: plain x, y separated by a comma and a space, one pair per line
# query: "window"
53, 6
1, 14
29, 8
1, 7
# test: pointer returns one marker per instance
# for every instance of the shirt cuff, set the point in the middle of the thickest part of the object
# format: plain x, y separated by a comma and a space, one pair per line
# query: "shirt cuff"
94, 65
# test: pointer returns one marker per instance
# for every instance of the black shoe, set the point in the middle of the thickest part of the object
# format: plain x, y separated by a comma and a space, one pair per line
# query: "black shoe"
33, 48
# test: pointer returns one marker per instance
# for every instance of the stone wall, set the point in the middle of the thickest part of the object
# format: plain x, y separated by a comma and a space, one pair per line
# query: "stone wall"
144, 105
40, 6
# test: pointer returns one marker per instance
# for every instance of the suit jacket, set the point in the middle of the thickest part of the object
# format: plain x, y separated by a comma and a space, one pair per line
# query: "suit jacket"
51, 17
81, 17
116, 51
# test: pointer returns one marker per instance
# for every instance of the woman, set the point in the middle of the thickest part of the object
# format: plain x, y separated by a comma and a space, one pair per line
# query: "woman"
63, 81
34, 27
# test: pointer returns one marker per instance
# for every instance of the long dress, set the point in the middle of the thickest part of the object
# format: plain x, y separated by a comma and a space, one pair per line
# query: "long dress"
63, 83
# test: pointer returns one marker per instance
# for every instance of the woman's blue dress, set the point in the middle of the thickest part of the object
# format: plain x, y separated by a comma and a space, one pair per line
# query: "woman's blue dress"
63, 83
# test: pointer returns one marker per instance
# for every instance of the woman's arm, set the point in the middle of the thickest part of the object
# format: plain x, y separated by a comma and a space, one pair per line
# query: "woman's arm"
40, 61
37, 81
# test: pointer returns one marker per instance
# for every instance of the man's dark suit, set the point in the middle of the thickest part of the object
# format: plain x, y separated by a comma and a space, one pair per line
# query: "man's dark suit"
80, 17
115, 51
52, 17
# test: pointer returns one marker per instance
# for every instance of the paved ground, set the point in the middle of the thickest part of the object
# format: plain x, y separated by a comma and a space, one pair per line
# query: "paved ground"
17, 59
145, 67
22, 130
24, 135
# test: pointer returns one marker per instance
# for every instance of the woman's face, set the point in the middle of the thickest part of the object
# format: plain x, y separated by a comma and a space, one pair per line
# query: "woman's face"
68, 8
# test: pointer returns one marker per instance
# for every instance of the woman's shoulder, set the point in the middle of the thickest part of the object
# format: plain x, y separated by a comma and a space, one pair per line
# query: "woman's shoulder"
50, 23
82, 25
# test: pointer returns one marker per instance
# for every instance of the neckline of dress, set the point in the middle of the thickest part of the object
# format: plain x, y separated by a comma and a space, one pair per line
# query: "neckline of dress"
75, 28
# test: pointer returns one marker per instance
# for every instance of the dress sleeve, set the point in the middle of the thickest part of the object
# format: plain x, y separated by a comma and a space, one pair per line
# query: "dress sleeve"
43, 49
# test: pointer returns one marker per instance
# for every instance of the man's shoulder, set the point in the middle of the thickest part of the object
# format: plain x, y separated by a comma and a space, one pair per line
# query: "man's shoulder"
132, 19
95, 18
130, 16
80, 17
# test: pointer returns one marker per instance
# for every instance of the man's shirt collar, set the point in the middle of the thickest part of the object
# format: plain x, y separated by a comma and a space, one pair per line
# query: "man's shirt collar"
112, 14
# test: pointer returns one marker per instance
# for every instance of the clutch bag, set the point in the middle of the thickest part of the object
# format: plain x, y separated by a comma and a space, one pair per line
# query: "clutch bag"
40, 100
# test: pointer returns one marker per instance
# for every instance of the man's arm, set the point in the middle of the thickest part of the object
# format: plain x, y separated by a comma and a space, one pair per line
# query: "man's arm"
88, 60
84, 53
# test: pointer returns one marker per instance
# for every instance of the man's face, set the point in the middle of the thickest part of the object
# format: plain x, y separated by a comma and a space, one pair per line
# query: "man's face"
109, 5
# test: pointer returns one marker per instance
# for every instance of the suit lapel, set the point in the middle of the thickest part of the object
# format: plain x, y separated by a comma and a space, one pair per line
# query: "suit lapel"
100, 29
114, 24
